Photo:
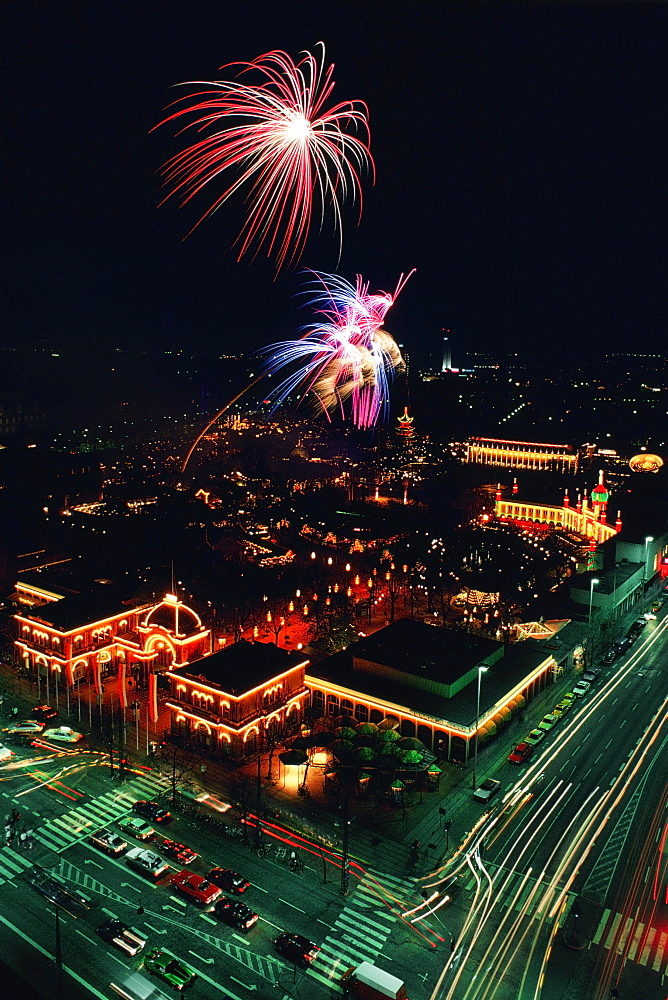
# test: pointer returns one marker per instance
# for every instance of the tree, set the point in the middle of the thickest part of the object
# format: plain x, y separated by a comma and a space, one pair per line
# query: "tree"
177, 759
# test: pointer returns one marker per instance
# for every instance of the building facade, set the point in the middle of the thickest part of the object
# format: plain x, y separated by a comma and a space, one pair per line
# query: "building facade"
522, 455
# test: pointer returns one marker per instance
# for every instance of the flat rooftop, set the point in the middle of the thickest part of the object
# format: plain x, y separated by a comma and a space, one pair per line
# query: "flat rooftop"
503, 677
242, 666
441, 654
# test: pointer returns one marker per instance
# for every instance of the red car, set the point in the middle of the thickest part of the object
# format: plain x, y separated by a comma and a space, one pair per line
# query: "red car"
521, 753
196, 887
178, 852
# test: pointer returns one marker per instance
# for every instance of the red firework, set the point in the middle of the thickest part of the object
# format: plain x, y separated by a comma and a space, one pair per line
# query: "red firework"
283, 146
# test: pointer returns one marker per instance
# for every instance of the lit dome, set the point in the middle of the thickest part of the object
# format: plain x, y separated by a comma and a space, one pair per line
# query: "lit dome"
174, 617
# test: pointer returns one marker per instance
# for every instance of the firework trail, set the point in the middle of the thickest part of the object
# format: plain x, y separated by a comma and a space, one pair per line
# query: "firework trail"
277, 140
345, 355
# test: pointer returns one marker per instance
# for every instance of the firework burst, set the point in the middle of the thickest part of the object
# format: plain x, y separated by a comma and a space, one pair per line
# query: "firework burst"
344, 356
280, 142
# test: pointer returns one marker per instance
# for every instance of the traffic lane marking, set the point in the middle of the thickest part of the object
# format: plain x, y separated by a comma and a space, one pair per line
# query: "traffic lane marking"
264, 919
256, 886
291, 904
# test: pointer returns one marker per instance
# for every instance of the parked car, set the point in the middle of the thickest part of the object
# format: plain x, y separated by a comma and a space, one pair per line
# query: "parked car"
228, 879
521, 753
621, 645
114, 931
147, 862
569, 697
591, 675
152, 810
170, 968
108, 841
44, 712
178, 852
549, 722
611, 655
581, 688
535, 736
640, 623
650, 616
136, 827
196, 887
485, 791
235, 913
562, 708
296, 947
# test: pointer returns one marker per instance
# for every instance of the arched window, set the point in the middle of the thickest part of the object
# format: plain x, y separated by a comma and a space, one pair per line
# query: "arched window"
361, 713
318, 700
346, 707
332, 704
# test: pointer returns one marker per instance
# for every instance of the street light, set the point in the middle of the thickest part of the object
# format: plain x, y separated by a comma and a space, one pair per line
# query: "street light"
648, 539
592, 584
481, 671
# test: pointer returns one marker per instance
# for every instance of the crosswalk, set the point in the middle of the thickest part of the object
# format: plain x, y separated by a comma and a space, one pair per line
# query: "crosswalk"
361, 929
62, 831
641, 944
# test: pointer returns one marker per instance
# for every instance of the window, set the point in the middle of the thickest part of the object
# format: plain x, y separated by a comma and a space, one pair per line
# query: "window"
318, 700
361, 713
332, 704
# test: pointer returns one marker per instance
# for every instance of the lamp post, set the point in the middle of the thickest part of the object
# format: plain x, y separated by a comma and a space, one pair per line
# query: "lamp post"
592, 584
648, 539
481, 671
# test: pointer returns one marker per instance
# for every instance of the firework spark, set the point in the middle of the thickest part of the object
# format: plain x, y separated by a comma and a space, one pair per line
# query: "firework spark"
284, 146
345, 355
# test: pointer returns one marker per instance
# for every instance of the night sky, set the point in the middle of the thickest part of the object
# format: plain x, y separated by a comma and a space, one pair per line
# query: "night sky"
521, 168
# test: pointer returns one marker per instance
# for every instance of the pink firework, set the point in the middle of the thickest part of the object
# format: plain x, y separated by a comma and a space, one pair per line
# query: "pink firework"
345, 356
282, 144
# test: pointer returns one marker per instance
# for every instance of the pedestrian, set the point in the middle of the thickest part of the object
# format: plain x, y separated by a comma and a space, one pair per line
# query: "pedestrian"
15, 710
22, 838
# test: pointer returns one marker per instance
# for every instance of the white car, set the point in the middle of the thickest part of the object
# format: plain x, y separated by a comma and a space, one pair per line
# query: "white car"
6, 753
63, 734
108, 841
581, 688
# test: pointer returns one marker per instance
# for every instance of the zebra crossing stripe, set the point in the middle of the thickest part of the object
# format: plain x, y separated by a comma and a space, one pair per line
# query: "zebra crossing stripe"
18, 857
346, 948
601, 926
659, 952
635, 941
647, 950
354, 921
328, 982
52, 839
14, 868
405, 885
624, 935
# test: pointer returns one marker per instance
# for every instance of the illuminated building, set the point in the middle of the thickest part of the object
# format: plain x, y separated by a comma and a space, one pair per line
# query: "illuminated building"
522, 454
424, 679
585, 519
91, 636
231, 701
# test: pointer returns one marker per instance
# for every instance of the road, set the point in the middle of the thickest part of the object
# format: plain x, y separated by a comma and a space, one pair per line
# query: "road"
522, 863
64, 796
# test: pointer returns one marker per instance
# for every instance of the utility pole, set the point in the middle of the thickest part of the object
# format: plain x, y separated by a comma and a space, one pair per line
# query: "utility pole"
345, 860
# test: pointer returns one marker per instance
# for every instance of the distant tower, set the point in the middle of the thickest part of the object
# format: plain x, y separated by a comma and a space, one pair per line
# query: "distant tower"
446, 364
600, 497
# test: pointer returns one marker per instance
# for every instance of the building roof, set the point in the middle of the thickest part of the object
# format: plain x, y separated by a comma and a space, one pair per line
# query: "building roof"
242, 666
79, 610
175, 617
500, 680
442, 654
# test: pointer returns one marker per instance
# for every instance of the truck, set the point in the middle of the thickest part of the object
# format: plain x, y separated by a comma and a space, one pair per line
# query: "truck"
368, 982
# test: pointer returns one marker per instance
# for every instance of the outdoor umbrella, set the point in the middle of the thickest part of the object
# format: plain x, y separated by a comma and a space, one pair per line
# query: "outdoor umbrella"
410, 743
344, 733
387, 736
366, 728
365, 754
293, 758
413, 757
319, 740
